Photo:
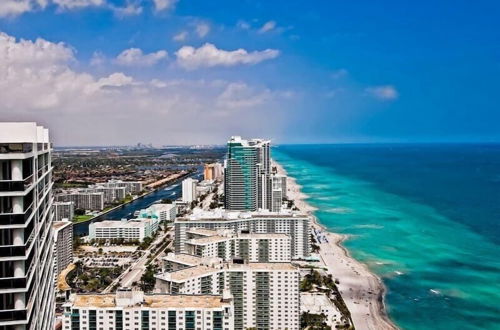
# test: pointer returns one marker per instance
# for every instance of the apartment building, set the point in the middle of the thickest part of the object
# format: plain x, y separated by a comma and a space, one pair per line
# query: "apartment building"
63, 245
135, 229
291, 223
265, 295
93, 201
162, 212
131, 187
189, 190
26, 236
111, 194
132, 310
252, 247
64, 210
213, 172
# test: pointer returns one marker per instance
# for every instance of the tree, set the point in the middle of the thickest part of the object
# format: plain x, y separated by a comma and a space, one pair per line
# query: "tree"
79, 212
148, 279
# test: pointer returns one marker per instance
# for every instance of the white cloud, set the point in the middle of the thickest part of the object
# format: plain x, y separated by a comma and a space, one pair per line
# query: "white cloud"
18, 7
202, 29
209, 56
181, 36
38, 83
76, 4
243, 25
97, 59
131, 9
268, 26
164, 4
135, 57
385, 93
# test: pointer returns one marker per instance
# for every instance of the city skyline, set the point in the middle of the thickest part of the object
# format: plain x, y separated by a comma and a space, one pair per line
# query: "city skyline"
112, 72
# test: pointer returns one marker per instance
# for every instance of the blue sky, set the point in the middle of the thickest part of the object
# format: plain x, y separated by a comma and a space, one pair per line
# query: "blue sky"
165, 71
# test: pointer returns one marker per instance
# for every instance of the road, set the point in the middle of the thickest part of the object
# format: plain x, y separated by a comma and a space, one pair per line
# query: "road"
135, 271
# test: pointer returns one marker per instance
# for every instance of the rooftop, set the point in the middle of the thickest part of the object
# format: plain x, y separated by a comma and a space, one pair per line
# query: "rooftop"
183, 258
119, 223
222, 214
57, 225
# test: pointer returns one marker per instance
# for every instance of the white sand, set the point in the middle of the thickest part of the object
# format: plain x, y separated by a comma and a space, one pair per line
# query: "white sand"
361, 290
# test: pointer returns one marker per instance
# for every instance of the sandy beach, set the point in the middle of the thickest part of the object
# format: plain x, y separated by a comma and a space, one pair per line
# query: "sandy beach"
361, 290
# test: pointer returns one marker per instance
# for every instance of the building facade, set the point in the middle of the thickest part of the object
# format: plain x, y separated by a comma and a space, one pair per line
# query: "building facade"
129, 230
293, 224
63, 245
26, 241
93, 201
64, 210
132, 310
265, 295
189, 190
213, 172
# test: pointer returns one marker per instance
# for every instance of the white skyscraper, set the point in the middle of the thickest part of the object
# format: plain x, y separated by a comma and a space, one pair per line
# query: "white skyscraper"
189, 190
26, 243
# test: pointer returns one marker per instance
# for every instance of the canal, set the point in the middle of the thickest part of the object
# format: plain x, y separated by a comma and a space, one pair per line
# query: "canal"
171, 191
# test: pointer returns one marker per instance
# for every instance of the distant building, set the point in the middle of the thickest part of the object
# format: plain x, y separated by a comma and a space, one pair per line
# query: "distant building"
278, 192
131, 310
266, 295
291, 223
111, 194
63, 245
64, 210
189, 190
213, 172
131, 187
93, 201
136, 229
162, 212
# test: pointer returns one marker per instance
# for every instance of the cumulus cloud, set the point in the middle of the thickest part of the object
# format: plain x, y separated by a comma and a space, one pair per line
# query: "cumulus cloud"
38, 83
164, 4
181, 36
130, 9
268, 26
18, 7
209, 56
76, 4
384, 93
135, 57
244, 25
202, 29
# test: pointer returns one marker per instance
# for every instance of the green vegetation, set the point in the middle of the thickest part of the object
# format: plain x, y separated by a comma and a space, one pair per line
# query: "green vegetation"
314, 321
82, 218
314, 280
85, 280
147, 283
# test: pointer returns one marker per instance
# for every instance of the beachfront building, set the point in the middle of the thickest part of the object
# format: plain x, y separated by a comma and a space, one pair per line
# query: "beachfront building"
266, 295
320, 303
63, 210
162, 212
252, 247
26, 243
278, 192
189, 190
63, 245
213, 172
291, 223
132, 309
240, 175
129, 230
93, 201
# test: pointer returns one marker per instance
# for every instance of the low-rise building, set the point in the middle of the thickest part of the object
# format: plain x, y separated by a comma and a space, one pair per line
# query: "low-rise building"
111, 194
162, 212
63, 245
266, 295
132, 309
63, 210
319, 303
131, 187
135, 229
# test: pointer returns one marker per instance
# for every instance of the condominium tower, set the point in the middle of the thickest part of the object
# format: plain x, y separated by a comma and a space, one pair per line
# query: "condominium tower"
26, 240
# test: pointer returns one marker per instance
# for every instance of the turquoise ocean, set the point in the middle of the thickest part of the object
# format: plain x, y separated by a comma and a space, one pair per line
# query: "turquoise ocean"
425, 218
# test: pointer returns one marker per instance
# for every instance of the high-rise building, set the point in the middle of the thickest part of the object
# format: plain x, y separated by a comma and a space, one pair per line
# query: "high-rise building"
132, 309
278, 192
212, 172
63, 245
64, 210
240, 176
189, 190
26, 244
265, 295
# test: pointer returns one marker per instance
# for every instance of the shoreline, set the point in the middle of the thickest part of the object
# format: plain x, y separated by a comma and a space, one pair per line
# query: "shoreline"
362, 291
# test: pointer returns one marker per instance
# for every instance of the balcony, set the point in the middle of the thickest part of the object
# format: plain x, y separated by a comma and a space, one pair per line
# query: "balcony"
18, 315
8, 148
16, 186
13, 283
16, 218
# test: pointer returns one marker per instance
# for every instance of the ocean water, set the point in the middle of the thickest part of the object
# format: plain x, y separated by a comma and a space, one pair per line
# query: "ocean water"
425, 218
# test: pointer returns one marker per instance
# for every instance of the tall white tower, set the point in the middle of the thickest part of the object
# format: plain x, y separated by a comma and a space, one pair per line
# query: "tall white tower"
26, 239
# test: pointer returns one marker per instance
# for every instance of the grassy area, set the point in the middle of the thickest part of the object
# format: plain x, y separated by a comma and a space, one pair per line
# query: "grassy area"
81, 218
